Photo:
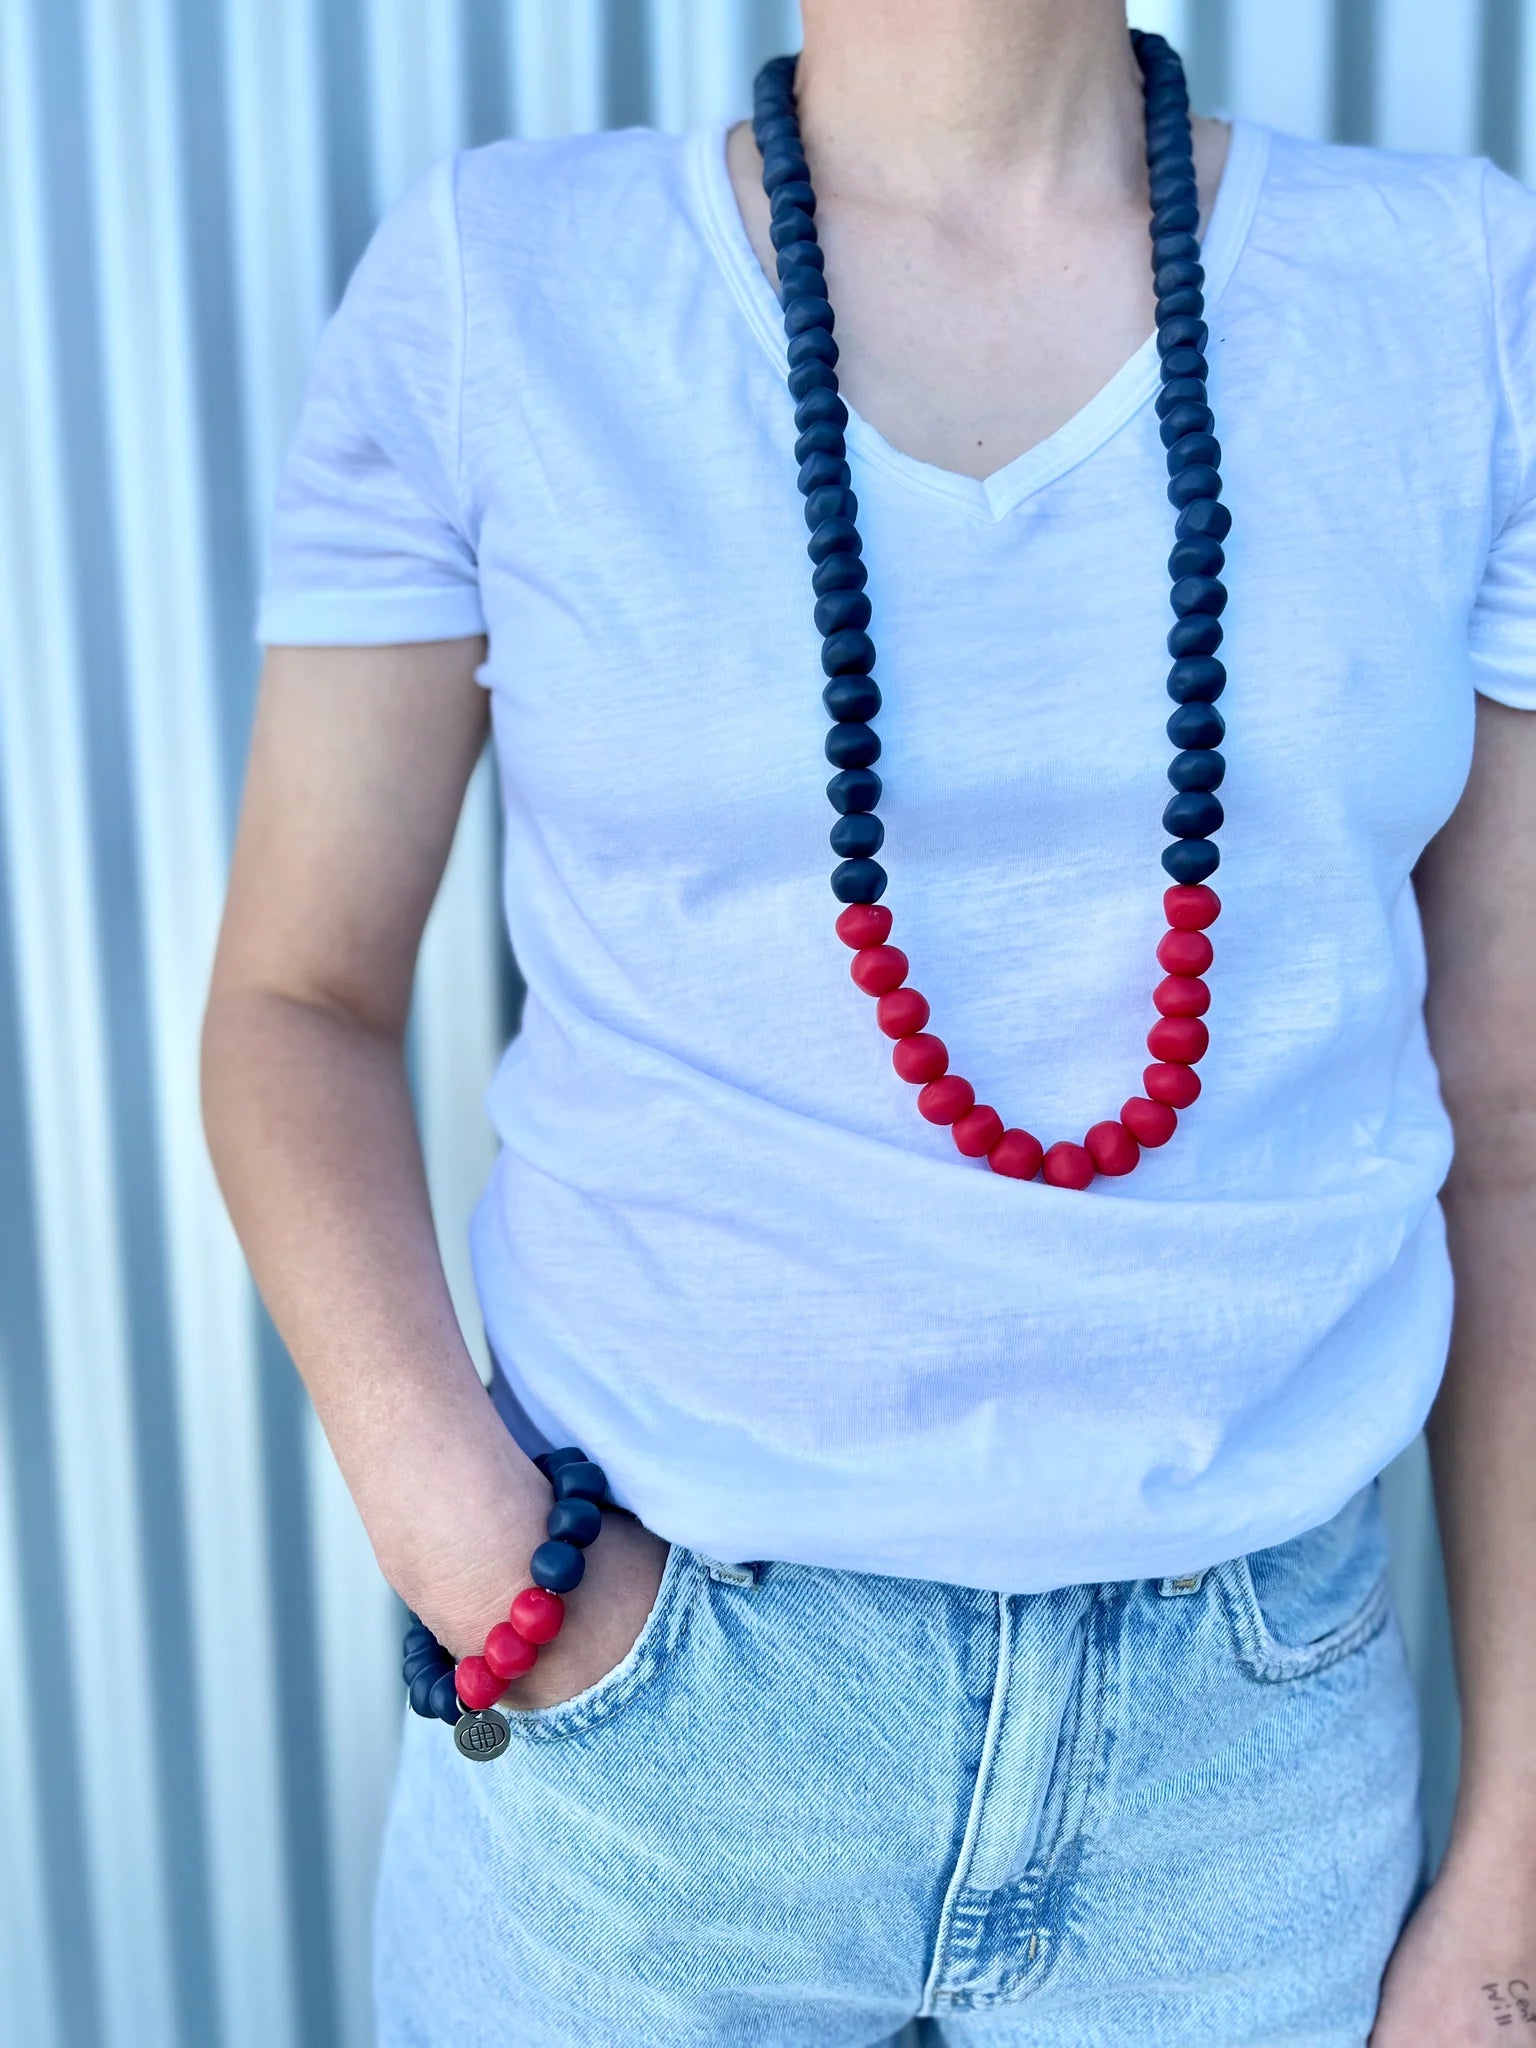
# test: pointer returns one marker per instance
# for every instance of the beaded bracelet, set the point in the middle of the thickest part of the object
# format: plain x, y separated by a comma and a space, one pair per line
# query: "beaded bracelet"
464, 1695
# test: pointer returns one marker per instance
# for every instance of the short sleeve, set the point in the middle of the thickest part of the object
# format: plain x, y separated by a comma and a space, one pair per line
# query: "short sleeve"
368, 544
1502, 633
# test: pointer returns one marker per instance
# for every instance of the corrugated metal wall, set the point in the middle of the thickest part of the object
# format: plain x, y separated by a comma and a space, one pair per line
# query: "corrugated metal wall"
199, 1714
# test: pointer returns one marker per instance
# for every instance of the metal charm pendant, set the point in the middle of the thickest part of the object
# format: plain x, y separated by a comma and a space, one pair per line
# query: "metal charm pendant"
482, 1735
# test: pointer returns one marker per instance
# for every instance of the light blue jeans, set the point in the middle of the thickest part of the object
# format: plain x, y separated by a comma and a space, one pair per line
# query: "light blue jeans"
811, 1805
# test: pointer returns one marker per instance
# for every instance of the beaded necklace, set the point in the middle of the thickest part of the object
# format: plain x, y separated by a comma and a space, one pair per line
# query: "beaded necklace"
852, 696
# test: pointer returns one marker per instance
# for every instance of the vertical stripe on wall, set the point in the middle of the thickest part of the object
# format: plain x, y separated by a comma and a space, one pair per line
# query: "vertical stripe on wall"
184, 188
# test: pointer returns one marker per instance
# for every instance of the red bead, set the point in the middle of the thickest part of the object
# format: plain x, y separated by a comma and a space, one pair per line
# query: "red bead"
942, 1102
509, 1653
1181, 995
1185, 952
537, 1614
1068, 1166
1112, 1148
864, 924
1178, 1038
477, 1684
1171, 1083
901, 1011
878, 968
1191, 906
1149, 1123
977, 1131
922, 1058
1017, 1154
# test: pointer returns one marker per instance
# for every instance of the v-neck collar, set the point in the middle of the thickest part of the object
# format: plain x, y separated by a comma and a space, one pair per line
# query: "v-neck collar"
994, 496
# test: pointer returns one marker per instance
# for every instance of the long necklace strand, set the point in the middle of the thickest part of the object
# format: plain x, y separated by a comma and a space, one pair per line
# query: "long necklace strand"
1193, 813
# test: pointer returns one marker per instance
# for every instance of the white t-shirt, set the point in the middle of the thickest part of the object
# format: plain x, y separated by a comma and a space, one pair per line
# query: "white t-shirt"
721, 1250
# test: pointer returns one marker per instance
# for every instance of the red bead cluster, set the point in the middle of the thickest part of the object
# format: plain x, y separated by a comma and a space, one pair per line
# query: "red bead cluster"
511, 1648
1176, 1042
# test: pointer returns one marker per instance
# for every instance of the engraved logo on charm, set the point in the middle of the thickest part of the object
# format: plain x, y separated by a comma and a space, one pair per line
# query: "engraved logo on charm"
482, 1735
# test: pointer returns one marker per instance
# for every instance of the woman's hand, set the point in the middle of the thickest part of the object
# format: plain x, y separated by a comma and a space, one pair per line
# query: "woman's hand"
459, 1564
1463, 1974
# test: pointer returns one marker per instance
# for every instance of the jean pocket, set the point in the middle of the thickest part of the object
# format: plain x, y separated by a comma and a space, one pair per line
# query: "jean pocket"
1303, 1605
647, 1656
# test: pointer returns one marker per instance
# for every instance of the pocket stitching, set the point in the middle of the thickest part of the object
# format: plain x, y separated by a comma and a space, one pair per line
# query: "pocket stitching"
1266, 1659
657, 1641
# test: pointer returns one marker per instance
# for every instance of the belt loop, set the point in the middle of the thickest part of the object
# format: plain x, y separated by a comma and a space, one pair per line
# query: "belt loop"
1185, 1582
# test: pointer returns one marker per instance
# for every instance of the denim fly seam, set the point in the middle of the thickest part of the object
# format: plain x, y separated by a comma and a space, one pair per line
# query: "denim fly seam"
1010, 1898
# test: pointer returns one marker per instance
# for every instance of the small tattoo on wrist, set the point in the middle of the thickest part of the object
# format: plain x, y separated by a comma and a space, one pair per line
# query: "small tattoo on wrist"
1512, 2003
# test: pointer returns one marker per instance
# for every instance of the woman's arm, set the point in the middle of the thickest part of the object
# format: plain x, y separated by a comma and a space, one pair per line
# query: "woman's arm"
1476, 1933
358, 768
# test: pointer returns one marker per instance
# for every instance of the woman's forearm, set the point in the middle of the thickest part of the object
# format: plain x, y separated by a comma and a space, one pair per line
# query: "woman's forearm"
313, 1136
1482, 1438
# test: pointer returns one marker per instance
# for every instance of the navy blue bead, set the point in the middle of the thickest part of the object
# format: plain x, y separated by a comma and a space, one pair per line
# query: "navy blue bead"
790, 224
585, 1481
420, 1691
1192, 814
1196, 724
852, 697
784, 165
823, 472
834, 537
1180, 391
816, 345
431, 1657
1192, 451
1174, 186
1199, 482
795, 196
856, 789
848, 653
1189, 299
857, 836
821, 407
550, 1462
1196, 557
842, 609
1185, 362
839, 572
812, 377
1198, 634
1196, 677
852, 744
822, 439
775, 128
1199, 594
1177, 278
829, 503
443, 1700
1197, 768
799, 281
417, 1637
1188, 418
797, 255
1205, 518
575, 1521
804, 314
1191, 860
1172, 220
858, 881
556, 1566
1177, 247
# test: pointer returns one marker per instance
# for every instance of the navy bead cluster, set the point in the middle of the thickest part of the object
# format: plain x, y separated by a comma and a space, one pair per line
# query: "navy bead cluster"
851, 695
573, 1523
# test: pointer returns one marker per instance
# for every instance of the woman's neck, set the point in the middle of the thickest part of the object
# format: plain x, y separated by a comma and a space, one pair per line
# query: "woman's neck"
901, 98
